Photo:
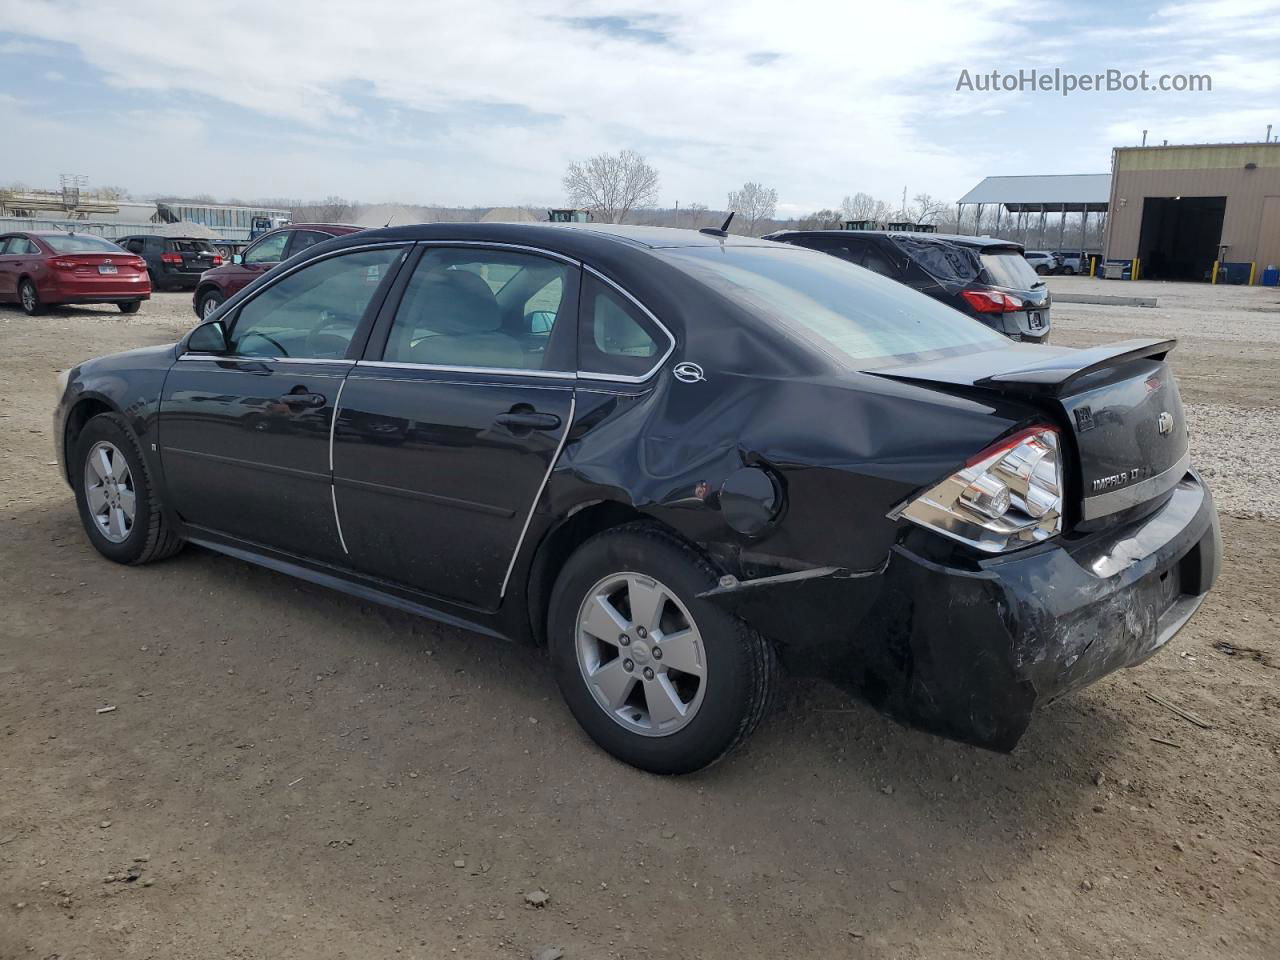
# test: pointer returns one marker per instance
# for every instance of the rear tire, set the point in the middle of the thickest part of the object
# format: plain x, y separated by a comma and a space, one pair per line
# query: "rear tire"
1068, 271
629, 696
105, 504
133, 306
29, 298
210, 302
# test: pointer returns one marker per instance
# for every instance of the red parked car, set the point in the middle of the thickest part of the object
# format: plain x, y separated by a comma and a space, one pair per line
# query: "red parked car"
49, 267
218, 285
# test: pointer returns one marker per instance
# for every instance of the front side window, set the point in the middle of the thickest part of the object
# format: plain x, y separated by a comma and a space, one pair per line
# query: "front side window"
312, 313
268, 249
615, 337
854, 317
474, 307
80, 243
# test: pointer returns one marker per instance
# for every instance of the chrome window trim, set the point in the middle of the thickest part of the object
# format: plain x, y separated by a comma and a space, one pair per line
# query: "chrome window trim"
555, 458
444, 368
1116, 500
671, 340
247, 358
524, 248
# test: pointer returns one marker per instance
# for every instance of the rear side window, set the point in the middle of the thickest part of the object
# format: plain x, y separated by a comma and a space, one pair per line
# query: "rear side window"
19, 245
135, 245
854, 317
80, 243
475, 307
615, 337
1009, 269
306, 238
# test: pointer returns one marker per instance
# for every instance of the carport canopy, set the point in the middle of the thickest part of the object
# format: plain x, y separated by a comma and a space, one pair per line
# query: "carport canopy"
1054, 193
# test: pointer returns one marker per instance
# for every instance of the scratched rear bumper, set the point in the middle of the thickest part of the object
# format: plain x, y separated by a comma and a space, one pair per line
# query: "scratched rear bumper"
970, 652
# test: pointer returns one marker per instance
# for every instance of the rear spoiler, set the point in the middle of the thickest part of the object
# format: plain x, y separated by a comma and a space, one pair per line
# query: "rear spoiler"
1054, 374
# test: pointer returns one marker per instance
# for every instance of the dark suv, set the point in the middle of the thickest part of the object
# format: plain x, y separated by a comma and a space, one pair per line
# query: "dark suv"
218, 285
174, 263
986, 278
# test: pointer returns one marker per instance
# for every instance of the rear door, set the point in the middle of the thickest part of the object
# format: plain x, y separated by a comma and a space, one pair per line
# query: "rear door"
8, 275
245, 436
449, 427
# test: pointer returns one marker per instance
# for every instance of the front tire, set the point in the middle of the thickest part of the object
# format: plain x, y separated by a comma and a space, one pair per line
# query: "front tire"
662, 680
29, 298
115, 495
210, 302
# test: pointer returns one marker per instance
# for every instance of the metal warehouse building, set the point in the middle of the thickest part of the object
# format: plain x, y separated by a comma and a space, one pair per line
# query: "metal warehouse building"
1180, 210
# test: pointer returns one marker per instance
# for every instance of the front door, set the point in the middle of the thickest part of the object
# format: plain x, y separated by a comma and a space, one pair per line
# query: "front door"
245, 436
263, 254
450, 426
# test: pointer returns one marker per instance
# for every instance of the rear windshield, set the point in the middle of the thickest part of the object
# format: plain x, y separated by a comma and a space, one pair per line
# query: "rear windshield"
1010, 269
191, 246
857, 318
80, 243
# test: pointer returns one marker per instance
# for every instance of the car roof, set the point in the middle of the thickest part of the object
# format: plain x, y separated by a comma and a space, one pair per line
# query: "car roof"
344, 227
959, 239
579, 239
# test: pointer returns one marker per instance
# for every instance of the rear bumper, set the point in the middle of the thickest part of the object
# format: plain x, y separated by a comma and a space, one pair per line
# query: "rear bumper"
970, 653
95, 290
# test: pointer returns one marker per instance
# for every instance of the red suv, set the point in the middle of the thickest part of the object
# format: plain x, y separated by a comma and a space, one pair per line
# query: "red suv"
218, 285
39, 269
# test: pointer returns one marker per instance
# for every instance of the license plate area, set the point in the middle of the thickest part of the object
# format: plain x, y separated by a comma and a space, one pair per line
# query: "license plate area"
1035, 319
107, 268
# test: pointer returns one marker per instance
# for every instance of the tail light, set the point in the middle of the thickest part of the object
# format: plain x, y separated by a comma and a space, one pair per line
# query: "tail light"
1008, 496
217, 260
64, 264
175, 258
991, 301
137, 262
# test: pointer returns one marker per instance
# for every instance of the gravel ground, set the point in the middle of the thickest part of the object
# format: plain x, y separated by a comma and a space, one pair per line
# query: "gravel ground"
291, 772
1226, 360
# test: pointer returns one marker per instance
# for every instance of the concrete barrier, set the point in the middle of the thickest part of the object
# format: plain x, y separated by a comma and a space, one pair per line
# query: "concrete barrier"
1105, 301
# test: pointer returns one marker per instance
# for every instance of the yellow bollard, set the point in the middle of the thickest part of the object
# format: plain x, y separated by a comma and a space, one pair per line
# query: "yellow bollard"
1214, 277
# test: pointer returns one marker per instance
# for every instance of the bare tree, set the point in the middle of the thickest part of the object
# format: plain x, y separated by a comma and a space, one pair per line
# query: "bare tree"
333, 210
611, 185
822, 220
111, 193
925, 209
861, 206
753, 203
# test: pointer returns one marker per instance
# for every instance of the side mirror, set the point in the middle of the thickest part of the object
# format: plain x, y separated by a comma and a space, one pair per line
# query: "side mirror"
209, 337
237, 259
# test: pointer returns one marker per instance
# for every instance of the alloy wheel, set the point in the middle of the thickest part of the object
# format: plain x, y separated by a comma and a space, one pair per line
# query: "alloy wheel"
210, 305
109, 491
28, 297
641, 654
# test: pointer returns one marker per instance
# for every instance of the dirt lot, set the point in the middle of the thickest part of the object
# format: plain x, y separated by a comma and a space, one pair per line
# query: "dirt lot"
292, 773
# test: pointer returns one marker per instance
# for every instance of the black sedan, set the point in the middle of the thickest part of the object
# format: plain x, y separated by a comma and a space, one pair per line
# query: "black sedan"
679, 460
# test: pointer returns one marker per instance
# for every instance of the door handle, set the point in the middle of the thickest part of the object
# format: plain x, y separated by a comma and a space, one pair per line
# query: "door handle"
530, 420
303, 399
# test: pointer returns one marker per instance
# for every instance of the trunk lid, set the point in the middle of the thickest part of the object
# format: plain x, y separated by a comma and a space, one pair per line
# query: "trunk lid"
99, 264
1119, 401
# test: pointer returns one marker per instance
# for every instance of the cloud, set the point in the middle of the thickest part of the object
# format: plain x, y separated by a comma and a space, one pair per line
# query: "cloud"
391, 101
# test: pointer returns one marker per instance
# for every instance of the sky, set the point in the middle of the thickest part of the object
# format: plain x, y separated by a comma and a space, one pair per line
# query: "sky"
485, 103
